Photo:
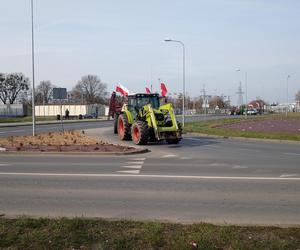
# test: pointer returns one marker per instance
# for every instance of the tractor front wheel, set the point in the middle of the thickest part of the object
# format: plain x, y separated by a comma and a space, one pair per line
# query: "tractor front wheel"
140, 133
123, 127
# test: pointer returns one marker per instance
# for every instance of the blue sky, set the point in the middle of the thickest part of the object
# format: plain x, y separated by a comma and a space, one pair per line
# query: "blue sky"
122, 42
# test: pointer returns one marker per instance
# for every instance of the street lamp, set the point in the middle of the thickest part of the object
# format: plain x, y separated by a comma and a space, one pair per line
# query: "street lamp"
32, 54
183, 75
287, 94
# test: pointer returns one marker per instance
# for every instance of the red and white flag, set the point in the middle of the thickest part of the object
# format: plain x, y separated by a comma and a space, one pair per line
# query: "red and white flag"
148, 90
122, 90
163, 89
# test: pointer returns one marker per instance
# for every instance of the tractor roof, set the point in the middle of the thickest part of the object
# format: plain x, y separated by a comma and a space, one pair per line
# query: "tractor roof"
143, 95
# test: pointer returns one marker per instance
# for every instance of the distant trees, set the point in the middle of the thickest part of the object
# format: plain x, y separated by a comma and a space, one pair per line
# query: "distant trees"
43, 92
90, 89
297, 97
11, 86
217, 101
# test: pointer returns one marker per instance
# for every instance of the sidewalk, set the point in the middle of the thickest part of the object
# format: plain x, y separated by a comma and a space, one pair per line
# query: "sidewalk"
16, 124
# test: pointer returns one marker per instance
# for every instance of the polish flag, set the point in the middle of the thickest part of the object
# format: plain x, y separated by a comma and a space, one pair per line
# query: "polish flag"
122, 90
148, 90
163, 89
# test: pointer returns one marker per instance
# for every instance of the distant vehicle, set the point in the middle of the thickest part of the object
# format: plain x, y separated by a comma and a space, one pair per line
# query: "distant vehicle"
252, 112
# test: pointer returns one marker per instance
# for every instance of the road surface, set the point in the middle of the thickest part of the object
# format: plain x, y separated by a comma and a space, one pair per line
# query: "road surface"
201, 179
43, 128
19, 129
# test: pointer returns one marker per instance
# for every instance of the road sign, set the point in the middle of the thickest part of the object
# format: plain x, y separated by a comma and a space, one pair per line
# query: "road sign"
59, 93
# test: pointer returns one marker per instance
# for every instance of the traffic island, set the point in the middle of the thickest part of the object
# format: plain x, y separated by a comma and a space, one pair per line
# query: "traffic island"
270, 127
65, 142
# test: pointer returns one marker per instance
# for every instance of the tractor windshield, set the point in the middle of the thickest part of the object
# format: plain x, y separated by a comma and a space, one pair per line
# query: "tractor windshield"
153, 100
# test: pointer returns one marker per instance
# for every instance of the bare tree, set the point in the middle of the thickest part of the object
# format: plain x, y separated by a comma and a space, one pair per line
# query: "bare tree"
217, 101
44, 92
90, 89
11, 86
297, 97
3, 92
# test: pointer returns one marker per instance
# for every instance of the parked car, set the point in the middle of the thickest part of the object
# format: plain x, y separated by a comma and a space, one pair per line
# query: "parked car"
252, 112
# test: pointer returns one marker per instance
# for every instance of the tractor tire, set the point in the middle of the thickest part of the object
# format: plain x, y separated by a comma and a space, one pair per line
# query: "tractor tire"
123, 127
116, 124
140, 133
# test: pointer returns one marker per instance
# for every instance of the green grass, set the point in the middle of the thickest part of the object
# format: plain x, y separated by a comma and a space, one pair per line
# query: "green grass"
211, 127
26, 119
79, 233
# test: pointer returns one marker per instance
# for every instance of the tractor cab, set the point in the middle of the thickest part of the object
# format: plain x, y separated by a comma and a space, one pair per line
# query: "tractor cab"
140, 100
137, 101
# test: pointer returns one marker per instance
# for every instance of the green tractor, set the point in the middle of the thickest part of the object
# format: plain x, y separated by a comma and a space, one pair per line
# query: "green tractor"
143, 119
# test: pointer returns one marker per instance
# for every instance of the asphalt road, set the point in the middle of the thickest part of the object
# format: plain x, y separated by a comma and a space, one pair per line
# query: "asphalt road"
19, 129
43, 128
201, 179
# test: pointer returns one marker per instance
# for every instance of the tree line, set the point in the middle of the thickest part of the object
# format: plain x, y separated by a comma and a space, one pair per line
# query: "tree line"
16, 86
88, 90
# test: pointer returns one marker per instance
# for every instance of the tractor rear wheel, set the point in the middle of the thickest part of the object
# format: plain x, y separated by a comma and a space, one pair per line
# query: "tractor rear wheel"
123, 127
116, 123
140, 132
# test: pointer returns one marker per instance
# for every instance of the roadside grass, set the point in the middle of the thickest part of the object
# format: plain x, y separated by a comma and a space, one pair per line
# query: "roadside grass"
26, 119
80, 233
211, 127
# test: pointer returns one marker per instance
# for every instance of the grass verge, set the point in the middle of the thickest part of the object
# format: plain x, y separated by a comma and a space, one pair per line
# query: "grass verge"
212, 127
80, 233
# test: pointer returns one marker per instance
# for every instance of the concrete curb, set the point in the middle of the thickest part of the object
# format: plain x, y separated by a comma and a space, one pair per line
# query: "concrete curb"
28, 153
18, 124
245, 138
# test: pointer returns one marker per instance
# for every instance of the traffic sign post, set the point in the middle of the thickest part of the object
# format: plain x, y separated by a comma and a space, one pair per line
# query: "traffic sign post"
60, 94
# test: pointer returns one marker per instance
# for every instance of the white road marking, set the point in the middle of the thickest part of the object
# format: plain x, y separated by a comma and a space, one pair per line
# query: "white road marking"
217, 164
239, 167
196, 177
169, 156
3, 164
134, 162
292, 154
130, 171
3, 132
185, 158
247, 149
136, 166
288, 175
138, 159
210, 146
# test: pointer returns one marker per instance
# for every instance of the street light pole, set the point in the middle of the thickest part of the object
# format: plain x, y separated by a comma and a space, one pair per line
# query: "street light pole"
33, 78
183, 77
287, 94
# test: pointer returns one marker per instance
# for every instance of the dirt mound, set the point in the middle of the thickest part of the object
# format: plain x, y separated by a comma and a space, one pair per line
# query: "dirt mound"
70, 141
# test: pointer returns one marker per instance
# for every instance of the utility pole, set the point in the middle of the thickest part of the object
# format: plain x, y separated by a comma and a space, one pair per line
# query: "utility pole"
33, 76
